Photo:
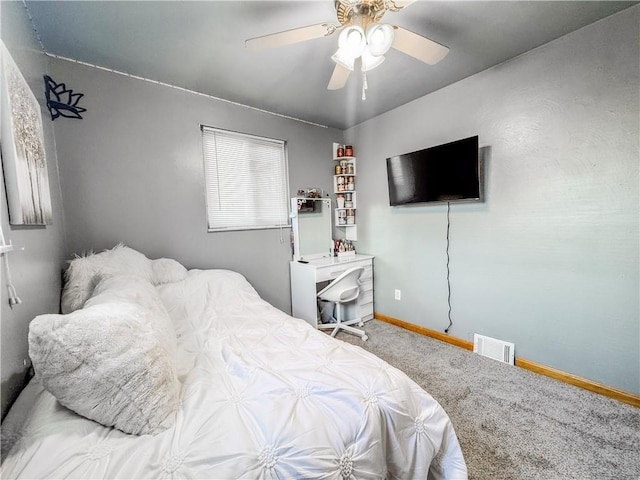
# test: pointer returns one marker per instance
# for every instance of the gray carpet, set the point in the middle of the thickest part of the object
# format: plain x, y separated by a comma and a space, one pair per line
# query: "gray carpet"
512, 423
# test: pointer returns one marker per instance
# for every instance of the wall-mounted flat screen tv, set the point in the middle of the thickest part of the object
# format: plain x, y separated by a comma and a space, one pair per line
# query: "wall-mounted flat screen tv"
451, 172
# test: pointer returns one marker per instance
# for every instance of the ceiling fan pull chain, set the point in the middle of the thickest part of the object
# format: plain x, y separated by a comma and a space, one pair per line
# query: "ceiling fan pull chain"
364, 85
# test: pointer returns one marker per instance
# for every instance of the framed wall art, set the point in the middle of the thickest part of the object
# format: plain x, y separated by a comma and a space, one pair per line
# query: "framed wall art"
23, 152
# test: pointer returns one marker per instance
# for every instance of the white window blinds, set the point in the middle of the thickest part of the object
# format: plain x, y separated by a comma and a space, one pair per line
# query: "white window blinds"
246, 181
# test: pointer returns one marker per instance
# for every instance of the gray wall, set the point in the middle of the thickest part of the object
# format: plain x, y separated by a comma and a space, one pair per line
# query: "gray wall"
550, 259
37, 260
132, 172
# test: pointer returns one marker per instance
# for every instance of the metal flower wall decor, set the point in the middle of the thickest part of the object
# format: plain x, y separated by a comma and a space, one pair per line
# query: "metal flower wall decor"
62, 102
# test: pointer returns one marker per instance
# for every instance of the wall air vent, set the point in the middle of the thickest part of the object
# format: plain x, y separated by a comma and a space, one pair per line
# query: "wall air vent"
493, 348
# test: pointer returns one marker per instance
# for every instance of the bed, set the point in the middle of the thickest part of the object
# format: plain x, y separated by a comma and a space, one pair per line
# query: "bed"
242, 390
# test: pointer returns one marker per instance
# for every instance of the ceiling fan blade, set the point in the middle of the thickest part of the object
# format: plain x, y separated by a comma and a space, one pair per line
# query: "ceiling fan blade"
338, 78
289, 37
417, 46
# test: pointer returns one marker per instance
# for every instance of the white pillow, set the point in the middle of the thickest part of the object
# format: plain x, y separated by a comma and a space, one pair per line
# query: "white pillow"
84, 272
131, 289
112, 361
167, 270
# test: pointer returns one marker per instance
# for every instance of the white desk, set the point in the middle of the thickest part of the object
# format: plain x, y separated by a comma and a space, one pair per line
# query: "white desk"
307, 277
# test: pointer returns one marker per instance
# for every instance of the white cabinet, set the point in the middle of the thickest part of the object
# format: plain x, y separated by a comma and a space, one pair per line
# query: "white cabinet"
307, 278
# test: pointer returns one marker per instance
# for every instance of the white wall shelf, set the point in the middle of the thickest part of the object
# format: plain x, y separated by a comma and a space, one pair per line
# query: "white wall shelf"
344, 188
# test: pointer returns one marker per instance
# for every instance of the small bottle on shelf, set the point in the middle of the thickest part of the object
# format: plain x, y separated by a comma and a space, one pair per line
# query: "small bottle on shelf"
350, 168
351, 217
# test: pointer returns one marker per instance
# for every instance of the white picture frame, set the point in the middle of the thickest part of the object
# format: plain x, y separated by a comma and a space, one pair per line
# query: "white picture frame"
24, 160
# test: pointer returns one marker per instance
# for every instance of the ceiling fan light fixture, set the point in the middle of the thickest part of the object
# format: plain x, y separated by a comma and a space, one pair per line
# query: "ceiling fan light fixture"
370, 61
352, 41
344, 59
379, 38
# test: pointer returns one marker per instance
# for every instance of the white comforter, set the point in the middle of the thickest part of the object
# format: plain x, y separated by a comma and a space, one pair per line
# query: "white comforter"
264, 396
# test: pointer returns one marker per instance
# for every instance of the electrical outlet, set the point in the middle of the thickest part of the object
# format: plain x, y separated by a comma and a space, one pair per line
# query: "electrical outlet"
398, 294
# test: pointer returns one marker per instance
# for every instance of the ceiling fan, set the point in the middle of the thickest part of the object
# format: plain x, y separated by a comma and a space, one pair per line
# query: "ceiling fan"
362, 37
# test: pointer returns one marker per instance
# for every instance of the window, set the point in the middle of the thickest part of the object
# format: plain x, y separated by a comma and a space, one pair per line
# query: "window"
246, 181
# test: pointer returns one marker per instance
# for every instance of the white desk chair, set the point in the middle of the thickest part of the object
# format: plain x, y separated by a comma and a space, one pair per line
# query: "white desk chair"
344, 289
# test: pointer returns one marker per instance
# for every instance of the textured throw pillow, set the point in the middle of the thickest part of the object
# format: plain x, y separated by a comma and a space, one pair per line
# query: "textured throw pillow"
84, 272
112, 361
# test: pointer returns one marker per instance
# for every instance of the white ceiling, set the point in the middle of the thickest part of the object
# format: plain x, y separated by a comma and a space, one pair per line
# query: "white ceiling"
200, 46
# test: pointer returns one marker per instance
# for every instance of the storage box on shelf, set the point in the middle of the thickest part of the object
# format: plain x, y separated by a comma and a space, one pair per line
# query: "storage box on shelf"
344, 187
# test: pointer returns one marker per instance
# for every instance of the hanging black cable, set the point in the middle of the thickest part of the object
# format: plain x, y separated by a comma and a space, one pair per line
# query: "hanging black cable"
446, 330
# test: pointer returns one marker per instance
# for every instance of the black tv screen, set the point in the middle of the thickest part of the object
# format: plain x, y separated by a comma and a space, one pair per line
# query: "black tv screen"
446, 173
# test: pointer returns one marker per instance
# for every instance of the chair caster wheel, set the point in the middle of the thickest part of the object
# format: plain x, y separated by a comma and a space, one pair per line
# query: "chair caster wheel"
365, 338
361, 324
